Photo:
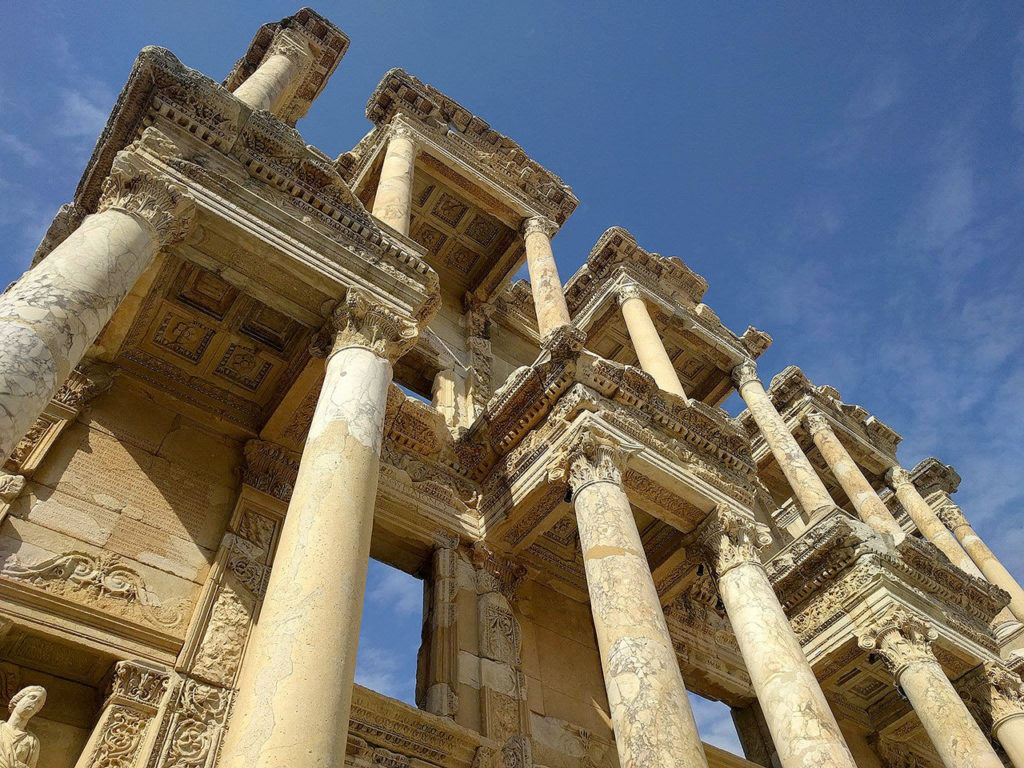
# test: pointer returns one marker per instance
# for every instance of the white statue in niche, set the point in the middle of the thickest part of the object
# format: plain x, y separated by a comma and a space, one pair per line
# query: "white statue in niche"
18, 747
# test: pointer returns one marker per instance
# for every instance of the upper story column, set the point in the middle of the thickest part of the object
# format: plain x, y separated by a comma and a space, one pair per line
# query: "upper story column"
548, 299
393, 202
1006, 699
927, 521
804, 730
903, 641
809, 491
647, 344
287, 60
654, 727
869, 506
953, 518
295, 686
53, 314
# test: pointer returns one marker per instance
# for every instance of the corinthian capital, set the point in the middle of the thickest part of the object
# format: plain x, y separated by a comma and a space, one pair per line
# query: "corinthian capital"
292, 43
1006, 692
744, 373
897, 477
158, 202
729, 537
593, 458
952, 516
816, 422
629, 291
900, 638
360, 322
539, 224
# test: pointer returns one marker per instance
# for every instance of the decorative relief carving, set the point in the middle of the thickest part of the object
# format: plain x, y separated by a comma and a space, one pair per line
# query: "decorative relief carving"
744, 373
139, 684
592, 458
122, 733
161, 203
500, 636
196, 727
271, 469
102, 580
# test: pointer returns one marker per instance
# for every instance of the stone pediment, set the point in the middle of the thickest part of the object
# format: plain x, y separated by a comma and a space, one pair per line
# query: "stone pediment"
465, 136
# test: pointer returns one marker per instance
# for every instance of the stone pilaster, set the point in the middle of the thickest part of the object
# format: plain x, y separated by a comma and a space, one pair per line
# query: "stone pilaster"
808, 490
647, 343
285, 64
124, 732
52, 315
392, 202
803, 728
954, 519
295, 688
903, 642
442, 663
870, 508
654, 727
927, 521
548, 299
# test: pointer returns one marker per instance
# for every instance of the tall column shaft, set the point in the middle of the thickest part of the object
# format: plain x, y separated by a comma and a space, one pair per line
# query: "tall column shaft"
1010, 735
993, 570
650, 711
869, 506
928, 522
393, 202
903, 642
803, 728
808, 489
295, 688
647, 343
54, 313
285, 63
548, 299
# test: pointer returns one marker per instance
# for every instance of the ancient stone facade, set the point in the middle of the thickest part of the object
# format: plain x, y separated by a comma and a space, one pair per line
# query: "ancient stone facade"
238, 369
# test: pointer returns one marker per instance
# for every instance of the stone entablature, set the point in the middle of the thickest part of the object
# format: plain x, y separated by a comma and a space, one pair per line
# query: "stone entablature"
217, 147
794, 397
466, 138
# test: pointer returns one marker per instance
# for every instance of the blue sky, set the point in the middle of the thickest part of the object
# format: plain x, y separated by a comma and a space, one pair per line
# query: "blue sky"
851, 181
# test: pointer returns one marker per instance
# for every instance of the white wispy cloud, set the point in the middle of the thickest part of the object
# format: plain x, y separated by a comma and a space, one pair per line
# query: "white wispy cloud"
83, 111
395, 591
714, 724
19, 148
378, 670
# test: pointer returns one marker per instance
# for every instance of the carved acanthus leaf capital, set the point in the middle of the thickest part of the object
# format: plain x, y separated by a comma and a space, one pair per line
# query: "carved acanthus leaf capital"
900, 638
629, 291
139, 683
897, 476
159, 202
1006, 692
360, 322
594, 458
816, 422
729, 537
744, 373
399, 129
290, 42
539, 225
952, 516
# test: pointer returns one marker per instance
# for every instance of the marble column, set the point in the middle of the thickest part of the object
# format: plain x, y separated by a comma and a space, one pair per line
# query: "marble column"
809, 491
295, 687
870, 508
53, 314
647, 343
927, 521
548, 299
903, 641
803, 728
286, 62
953, 518
650, 711
392, 203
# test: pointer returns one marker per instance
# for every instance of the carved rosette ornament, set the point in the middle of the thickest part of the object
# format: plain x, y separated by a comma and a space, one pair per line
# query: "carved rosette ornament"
158, 202
539, 225
900, 638
744, 373
592, 458
359, 322
729, 537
